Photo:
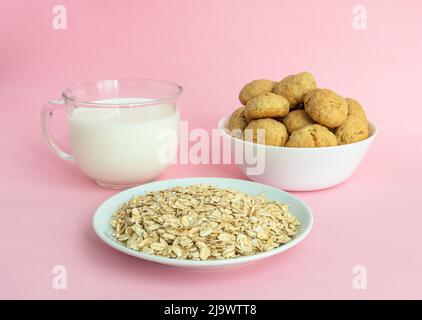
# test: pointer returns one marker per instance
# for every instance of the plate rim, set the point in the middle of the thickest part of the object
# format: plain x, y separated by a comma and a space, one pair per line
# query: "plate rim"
199, 263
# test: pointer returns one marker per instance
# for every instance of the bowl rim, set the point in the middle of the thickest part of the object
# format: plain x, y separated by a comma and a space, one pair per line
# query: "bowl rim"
186, 263
373, 133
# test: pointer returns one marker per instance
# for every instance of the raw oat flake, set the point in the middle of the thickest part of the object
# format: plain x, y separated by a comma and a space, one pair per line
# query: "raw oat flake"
203, 222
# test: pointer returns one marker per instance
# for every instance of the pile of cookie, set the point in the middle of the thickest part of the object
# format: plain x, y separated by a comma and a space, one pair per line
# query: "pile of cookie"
295, 113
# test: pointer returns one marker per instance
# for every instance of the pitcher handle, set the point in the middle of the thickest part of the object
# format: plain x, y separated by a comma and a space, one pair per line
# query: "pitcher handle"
46, 116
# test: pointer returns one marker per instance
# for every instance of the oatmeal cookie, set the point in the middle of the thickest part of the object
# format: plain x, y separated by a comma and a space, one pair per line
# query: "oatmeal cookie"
354, 129
295, 87
237, 122
354, 108
312, 136
267, 105
275, 132
296, 119
255, 88
326, 107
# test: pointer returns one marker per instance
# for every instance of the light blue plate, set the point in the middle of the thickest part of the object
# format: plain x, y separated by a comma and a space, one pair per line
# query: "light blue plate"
102, 227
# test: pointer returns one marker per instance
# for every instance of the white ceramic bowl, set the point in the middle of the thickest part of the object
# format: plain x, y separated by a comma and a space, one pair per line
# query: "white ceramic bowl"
300, 169
101, 220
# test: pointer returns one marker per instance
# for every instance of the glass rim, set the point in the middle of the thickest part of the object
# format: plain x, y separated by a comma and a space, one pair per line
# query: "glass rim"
66, 93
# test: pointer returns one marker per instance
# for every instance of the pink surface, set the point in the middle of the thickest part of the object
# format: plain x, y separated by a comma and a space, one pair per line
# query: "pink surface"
212, 48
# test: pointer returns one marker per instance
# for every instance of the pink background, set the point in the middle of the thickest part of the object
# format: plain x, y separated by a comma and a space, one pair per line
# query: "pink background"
212, 48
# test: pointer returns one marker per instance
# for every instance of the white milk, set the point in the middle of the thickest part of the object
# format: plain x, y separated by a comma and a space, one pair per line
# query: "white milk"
119, 146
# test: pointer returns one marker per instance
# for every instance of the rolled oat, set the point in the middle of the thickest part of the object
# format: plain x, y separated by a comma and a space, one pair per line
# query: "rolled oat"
202, 222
